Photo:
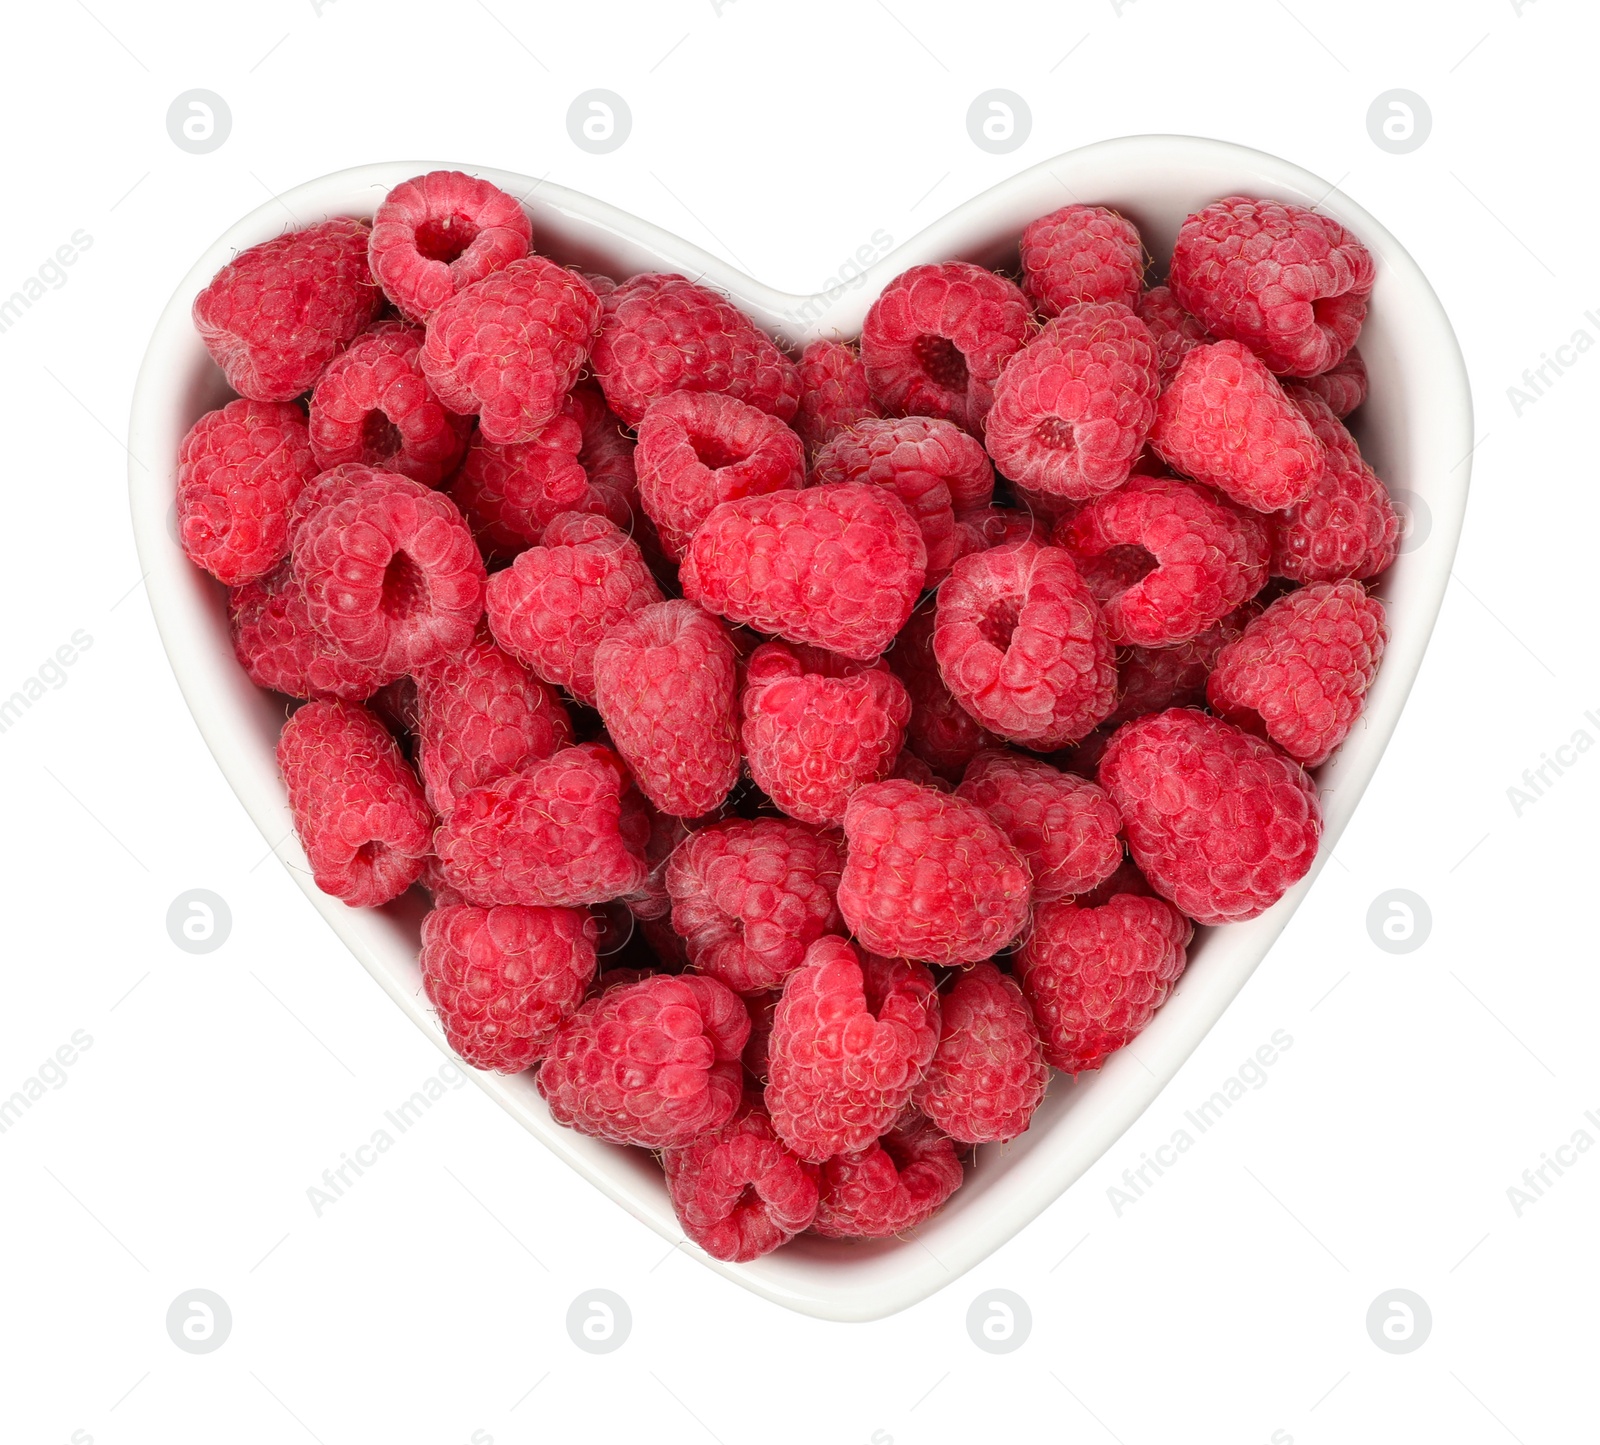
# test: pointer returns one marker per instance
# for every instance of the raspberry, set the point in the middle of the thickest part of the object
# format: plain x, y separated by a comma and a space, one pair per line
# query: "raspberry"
606, 454
1175, 332
389, 569
1152, 679
664, 333
239, 470
435, 234
357, 806
833, 392
1299, 675
1081, 253
817, 726
1073, 408
1166, 559
279, 648
929, 876
850, 1041
551, 606
940, 732
373, 405
1224, 420
839, 567
508, 347
1219, 821
1064, 827
654, 1063
763, 1009
987, 1075
912, 769
1342, 388
700, 448
278, 313
889, 1187
558, 834
480, 715
651, 901
509, 494
986, 527
504, 979
1022, 646
935, 339
1289, 283
750, 896
1095, 976
665, 686
739, 1193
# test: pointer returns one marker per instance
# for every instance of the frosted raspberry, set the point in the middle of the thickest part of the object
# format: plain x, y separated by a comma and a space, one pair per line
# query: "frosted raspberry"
505, 979
1152, 679
817, 726
279, 312
1073, 409
435, 234
279, 648
1299, 675
1064, 827
984, 527
749, 896
558, 834
1175, 332
1289, 283
509, 494
739, 1193
1045, 508
889, 1187
239, 470
940, 731
1220, 822
358, 808
700, 448
654, 1063
1166, 559
389, 569
508, 347
987, 1075
1022, 646
664, 333
1081, 253
1096, 976
935, 339
833, 392
850, 1041
929, 876
1342, 388
551, 606
606, 454
839, 567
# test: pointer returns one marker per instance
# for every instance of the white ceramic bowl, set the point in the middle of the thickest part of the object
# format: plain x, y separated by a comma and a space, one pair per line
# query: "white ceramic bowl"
1416, 428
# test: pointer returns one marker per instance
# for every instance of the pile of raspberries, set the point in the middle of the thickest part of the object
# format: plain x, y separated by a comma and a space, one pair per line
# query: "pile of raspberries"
803, 757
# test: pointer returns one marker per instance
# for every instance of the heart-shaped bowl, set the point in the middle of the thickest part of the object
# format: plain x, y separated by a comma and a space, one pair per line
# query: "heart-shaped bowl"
1415, 428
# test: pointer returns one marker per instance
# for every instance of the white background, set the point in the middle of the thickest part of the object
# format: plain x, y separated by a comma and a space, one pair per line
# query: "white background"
1229, 1303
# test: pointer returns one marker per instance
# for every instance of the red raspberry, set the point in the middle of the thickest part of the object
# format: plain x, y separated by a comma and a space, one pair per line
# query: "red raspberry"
373, 405
833, 392
651, 901
763, 1009
1219, 821
505, 979
1166, 559
929, 876
1224, 420
940, 731
839, 567
986, 527
699, 448
738, 1193
1064, 827
551, 606
1022, 645
935, 339
357, 806
912, 769
1073, 409
509, 494
389, 569
665, 687
558, 834
1152, 679
988, 1074
1341, 388
279, 648
1175, 332
1045, 508
606, 454
664, 333
889, 1187
654, 1063
850, 1041
435, 234
817, 726
508, 347
1300, 673
1081, 253
278, 313
481, 715
240, 469
1096, 976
